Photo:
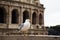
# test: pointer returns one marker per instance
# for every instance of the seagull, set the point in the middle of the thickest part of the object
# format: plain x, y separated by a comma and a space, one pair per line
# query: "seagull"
24, 26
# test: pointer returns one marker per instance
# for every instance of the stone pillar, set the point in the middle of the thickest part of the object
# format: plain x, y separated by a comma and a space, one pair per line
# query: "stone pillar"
9, 15
37, 19
43, 21
21, 13
31, 17
43, 18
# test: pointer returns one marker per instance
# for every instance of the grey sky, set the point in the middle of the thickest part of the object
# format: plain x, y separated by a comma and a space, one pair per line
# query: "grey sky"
52, 12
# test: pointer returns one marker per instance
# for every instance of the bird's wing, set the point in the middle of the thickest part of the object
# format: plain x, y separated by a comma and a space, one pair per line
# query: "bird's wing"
21, 26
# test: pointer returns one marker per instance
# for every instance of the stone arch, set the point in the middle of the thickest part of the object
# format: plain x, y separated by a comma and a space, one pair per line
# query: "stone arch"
34, 18
40, 19
25, 15
2, 15
14, 16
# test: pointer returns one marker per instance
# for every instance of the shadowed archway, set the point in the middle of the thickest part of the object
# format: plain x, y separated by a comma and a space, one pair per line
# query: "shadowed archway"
34, 18
14, 16
40, 19
25, 15
2, 15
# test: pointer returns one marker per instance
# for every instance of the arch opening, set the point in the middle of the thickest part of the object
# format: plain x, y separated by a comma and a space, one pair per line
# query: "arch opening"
2, 15
40, 19
34, 18
25, 15
14, 16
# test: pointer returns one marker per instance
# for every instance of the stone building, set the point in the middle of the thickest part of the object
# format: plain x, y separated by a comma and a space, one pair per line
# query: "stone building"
14, 12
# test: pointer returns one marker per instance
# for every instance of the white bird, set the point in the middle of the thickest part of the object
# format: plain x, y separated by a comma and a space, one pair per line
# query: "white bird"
25, 26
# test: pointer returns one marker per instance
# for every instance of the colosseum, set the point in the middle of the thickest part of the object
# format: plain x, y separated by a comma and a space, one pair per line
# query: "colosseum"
15, 12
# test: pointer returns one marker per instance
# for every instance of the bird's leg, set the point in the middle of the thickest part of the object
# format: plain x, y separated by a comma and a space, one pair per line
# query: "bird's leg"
24, 33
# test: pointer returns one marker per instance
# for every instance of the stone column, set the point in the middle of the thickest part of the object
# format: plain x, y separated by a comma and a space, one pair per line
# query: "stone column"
21, 13
30, 16
9, 15
43, 19
37, 18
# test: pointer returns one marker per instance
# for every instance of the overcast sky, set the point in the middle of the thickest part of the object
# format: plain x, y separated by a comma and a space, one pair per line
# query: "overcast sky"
52, 12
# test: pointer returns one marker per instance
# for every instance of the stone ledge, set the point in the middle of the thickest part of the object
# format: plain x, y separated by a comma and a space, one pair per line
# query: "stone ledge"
30, 37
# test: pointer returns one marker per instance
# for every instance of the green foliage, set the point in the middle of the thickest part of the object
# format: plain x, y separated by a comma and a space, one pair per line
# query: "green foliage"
57, 27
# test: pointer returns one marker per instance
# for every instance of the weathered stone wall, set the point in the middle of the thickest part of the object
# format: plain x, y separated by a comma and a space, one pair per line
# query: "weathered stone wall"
29, 37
